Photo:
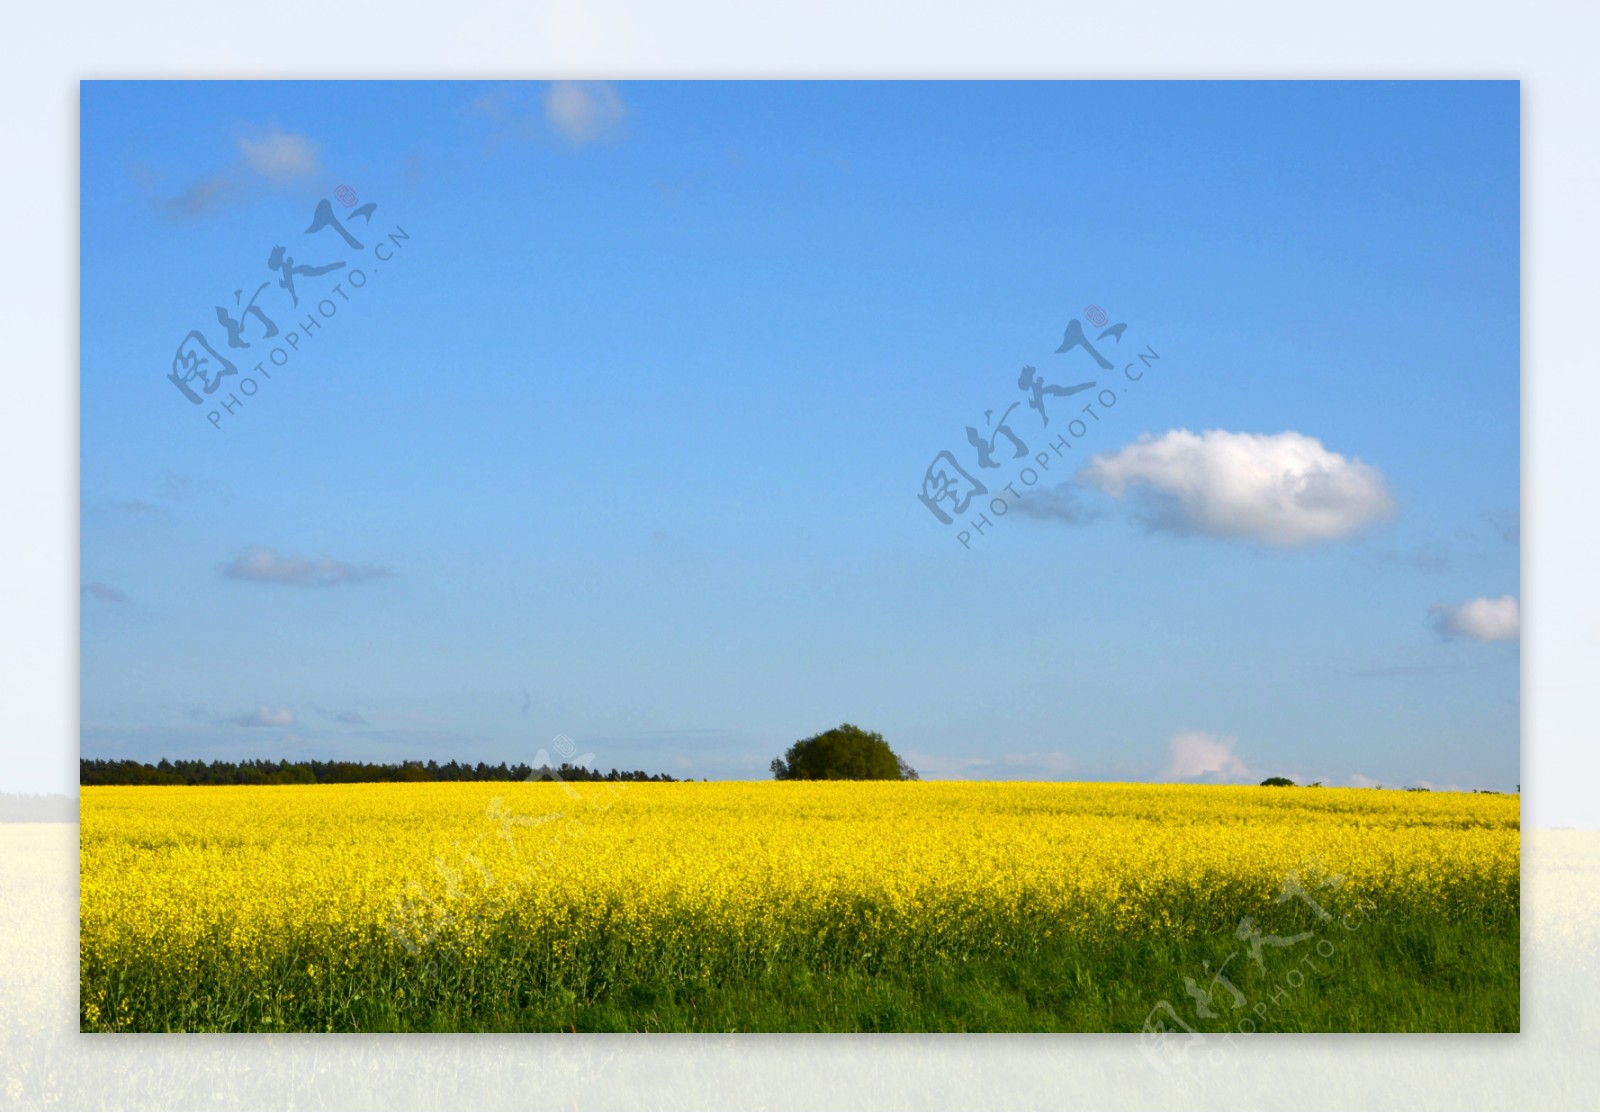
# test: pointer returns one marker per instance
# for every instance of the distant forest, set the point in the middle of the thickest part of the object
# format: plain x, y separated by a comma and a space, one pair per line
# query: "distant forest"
164, 772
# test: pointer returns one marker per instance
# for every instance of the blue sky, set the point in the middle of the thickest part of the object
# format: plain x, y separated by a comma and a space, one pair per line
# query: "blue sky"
622, 435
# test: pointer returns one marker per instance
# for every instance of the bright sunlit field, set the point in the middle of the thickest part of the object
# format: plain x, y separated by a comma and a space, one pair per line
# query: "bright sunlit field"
833, 906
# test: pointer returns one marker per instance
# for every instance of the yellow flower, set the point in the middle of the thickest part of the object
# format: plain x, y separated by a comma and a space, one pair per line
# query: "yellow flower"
197, 886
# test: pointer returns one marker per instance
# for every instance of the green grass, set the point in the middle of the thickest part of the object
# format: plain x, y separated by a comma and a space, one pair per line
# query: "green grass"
1403, 974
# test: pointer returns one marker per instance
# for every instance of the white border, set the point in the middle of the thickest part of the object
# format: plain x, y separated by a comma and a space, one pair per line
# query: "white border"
1548, 46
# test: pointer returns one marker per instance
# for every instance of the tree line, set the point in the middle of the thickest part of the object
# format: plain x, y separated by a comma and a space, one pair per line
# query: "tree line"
97, 771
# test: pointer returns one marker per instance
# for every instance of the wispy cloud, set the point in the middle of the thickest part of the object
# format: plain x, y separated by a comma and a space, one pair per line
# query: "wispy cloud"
273, 158
279, 156
103, 592
169, 491
263, 716
1482, 619
1062, 504
584, 111
1280, 489
204, 197
264, 565
352, 717
578, 112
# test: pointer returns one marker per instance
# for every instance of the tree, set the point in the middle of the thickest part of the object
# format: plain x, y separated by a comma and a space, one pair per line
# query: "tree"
1278, 782
845, 753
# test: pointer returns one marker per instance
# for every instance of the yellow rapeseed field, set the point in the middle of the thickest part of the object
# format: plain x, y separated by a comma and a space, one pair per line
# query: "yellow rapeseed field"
199, 906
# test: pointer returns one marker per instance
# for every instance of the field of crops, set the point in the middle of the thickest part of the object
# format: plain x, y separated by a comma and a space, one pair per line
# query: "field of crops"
797, 906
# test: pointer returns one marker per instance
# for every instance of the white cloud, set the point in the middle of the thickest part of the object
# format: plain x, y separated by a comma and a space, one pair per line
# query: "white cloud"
1278, 489
279, 156
264, 716
1482, 619
264, 565
1360, 781
583, 111
1198, 754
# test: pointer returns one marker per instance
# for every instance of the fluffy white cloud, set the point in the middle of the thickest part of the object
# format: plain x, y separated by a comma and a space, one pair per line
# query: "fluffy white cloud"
1278, 489
264, 565
583, 111
279, 156
1482, 619
1197, 754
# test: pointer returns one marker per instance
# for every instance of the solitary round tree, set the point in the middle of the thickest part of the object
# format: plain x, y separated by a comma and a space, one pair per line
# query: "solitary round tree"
1278, 782
845, 753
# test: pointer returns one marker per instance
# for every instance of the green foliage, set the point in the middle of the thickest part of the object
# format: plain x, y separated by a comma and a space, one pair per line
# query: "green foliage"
1393, 968
1278, 782
846, 753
